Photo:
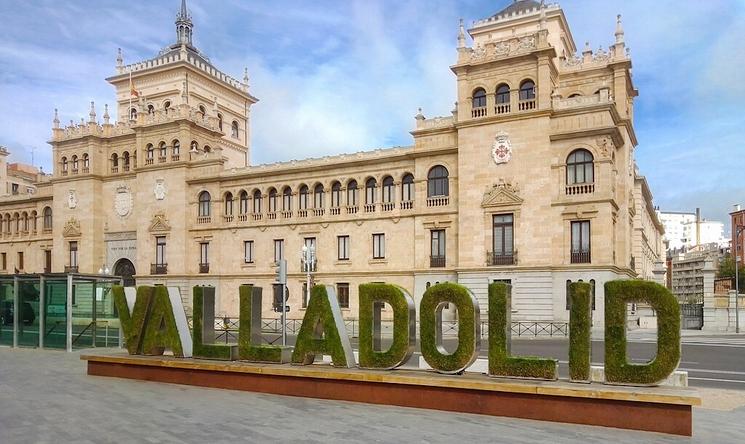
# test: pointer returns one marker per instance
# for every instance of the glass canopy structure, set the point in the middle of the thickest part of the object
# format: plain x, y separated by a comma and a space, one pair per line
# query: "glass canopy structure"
58, 311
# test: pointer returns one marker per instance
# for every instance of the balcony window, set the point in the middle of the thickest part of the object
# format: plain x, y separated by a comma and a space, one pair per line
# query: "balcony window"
437, 182
257, 202
503, 99
335, 195
228, 204
318, 196
407, 188
503, 248
73, 246
243, 203
343, 248
479, 103
272, 200
378, 246
303, 198
580, 167
205, 203
352, 194
370, 187
204, 259
580, 248
527, 90
437, 248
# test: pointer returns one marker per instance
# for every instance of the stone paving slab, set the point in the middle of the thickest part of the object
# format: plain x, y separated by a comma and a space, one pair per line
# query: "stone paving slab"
46, 397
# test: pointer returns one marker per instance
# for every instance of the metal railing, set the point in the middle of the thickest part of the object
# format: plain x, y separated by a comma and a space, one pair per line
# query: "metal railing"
204, 268
436, 261
581, 257
493, 259
158, 268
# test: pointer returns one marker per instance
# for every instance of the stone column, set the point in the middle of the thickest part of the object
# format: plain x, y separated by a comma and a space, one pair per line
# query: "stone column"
710, 318
659, 271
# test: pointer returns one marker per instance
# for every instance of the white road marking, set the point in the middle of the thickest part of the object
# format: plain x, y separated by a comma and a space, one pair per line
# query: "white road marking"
734, 381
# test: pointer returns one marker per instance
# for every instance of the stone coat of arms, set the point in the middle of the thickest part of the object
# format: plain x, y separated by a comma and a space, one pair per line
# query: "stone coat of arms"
123, 201
160, 189
501, 148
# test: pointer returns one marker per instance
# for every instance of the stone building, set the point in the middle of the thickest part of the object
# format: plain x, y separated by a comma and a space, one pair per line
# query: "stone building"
531, 180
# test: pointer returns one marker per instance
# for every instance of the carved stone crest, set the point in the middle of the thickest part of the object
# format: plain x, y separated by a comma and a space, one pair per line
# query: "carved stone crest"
605, 145
72, 199
123, 201
501, 150
72, 228
159, 223
502, 194
160, 189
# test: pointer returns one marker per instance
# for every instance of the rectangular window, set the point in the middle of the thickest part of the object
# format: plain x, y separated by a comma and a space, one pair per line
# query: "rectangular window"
248, 252
4, 261
437, 248
204, 253
342, 293
160, 250
279, 249
73, 254
503, 235
378, 246
20, 260
343, 248
580, 249
47, 261
305, 296
310, 242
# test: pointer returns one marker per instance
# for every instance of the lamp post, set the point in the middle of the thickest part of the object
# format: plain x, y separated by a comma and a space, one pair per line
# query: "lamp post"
308, 259
738, 231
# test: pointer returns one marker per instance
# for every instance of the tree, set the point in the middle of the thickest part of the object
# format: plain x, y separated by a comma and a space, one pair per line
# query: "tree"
727, 270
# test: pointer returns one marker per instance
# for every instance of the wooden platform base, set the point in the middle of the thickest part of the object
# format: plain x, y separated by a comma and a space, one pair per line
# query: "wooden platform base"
658, 409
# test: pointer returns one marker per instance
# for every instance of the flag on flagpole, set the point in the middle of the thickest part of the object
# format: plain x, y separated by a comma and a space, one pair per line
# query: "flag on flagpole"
132, 91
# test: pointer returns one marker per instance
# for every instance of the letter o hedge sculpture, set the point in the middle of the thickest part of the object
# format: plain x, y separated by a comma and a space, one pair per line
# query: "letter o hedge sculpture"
469, 327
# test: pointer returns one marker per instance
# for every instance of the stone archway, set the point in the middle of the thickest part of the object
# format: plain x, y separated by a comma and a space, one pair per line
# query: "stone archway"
125, 269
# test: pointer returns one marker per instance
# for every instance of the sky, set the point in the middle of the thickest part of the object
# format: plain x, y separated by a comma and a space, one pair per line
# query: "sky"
346, 76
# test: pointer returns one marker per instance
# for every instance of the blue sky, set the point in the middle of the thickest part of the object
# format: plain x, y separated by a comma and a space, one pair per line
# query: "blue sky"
343, 76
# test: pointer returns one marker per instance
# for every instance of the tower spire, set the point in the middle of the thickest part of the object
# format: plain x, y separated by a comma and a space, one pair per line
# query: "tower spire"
184, 26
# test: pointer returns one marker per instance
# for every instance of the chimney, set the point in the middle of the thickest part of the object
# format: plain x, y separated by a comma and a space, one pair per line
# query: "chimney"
698, 226
737, 207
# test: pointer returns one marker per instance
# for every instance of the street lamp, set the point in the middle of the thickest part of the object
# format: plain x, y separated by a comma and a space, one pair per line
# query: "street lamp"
308, 259
738, 231
103, 270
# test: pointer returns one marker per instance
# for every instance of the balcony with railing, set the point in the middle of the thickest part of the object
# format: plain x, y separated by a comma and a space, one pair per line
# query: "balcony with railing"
204, 219
162, 159
335, 211
302, 213
318, 212
370, 208
149, 161
526, 105
86, 170
114, 169
271, 216
502, 108
407, 204
242, 217
579, 188
387, 206
257, 216
438, 201
437, 261
71, 268
204, 268
580, 257
286, 214
478, 112
156, 269
353, 209
175, 157
228, 218
501, 258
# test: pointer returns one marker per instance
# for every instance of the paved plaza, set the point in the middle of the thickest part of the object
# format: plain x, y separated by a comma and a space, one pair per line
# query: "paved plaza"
46, 397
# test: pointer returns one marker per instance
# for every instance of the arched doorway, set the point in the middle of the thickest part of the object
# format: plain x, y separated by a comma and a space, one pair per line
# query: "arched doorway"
125, 269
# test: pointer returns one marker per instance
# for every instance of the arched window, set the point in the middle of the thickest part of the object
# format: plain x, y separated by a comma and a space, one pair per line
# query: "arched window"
580, 167
163, 150
272, 200
202, 111
389, 192
125, 156
133, 114
257, 202
219, 121
114, 160
437, 182
303, 198
194, 146
86, 160
176, 148
205, 203
64, 164
228, 203
243, 202
34, 217
167, 105
370, 194
207, 149
75, 163
150, 153
335, 195
150, 109
318, 196
527, 90
17, 218
352, 194
287, 199
25, 221
479, 98
234, 130
407, 188
503, 94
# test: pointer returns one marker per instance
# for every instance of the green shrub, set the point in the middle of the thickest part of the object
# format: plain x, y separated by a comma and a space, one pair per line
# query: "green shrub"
161, 332
469, 327
618, 370
580, 325
202, 350
249, 330
322, 331
500, 361
133, 324
404, 326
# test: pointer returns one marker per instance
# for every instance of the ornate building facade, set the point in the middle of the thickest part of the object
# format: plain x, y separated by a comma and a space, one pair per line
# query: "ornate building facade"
531, 180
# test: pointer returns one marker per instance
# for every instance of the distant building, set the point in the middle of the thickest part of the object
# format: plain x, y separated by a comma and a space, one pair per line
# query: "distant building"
685, 230
17, 178
687, 271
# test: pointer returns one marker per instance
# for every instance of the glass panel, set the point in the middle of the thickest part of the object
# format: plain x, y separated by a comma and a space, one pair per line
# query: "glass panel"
575, 237
508, 240
589, 173
585, 236
55, 328
28, 314
498, 245
6, 310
